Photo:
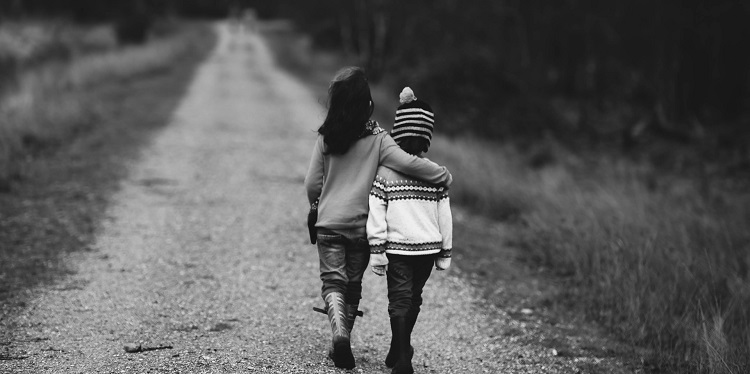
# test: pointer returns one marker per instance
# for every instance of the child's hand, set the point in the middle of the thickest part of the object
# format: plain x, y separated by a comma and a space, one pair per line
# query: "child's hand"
379, 270
378, 262
442, 263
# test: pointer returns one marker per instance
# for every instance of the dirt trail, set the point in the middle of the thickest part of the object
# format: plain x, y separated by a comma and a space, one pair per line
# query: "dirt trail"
205, 251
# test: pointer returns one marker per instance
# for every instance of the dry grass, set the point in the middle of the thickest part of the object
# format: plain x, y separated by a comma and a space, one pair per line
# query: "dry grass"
49, 105
662, 261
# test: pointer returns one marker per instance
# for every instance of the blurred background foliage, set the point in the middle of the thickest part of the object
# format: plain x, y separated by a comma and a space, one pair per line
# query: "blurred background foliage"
587, 72
599, 74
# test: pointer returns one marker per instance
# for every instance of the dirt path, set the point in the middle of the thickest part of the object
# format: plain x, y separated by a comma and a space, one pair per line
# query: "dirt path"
205, 251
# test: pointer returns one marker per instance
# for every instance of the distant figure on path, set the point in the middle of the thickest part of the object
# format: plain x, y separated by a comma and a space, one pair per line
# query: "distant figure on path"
409, 229
348, 151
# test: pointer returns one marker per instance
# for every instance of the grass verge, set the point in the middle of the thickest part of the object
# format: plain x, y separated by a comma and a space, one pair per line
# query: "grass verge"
66, 137
661, 260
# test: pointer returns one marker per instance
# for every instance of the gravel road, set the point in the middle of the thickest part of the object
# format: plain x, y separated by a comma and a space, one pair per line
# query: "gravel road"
204, 250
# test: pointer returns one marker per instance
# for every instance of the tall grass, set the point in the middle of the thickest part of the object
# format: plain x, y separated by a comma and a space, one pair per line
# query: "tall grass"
50, 105
663, 261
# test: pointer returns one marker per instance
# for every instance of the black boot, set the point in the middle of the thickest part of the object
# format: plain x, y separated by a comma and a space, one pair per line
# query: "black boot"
342, 350
392, 357
393, 352
411, 320
405, 351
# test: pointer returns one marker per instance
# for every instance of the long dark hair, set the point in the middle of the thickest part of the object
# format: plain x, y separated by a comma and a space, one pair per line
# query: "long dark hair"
349, 108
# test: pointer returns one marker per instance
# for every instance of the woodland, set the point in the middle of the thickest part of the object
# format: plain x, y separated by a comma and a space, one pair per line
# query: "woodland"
589, 73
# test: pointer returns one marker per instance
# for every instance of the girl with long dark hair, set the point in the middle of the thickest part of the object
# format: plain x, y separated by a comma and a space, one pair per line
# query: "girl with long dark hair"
347, 153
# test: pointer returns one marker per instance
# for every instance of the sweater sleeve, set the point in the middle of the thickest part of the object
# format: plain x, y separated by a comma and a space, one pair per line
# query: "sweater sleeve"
393, 157
377, 226
314, 177
445, 221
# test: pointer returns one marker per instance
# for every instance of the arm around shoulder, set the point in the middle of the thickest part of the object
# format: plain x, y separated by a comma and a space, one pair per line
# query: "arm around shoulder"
392, 156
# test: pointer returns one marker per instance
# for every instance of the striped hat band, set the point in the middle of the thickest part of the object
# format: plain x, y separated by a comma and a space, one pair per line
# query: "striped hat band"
414, 119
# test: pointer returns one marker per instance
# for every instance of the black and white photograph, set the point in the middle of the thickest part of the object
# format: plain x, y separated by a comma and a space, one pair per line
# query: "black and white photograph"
375, 186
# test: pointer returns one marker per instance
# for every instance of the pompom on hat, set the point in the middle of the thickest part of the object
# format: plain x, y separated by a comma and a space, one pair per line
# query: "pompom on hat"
413, 117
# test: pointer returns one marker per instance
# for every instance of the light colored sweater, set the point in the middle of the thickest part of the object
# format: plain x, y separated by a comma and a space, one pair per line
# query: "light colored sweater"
342, 182
408, 217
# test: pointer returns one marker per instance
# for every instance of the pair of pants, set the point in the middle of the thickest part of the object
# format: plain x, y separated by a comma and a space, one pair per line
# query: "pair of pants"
407, 276
344, 255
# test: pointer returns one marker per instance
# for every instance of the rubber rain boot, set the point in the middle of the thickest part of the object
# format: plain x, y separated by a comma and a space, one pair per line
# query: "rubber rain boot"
392, 357
342, 349
403, 365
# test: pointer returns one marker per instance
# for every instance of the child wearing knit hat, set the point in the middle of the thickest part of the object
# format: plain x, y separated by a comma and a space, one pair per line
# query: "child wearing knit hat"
409, 228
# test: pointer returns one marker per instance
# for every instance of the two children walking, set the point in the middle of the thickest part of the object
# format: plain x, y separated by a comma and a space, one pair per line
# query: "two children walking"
380, 202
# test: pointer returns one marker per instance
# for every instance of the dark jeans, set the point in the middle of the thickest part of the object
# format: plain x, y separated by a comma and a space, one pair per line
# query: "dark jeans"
407, 276
344, 255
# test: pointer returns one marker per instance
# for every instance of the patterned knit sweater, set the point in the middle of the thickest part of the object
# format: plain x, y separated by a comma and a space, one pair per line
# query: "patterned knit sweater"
408, 217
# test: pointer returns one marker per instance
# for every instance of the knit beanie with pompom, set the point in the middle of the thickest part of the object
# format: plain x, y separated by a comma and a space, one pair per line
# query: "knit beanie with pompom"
413, 117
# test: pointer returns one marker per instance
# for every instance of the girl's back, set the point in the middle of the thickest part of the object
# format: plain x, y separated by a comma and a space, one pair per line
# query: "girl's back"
346, 181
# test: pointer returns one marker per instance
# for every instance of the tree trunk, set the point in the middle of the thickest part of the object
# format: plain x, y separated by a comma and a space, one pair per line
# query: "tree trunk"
363, 34
381, 36
345, 30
